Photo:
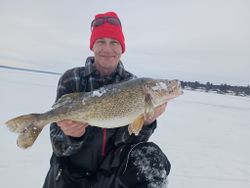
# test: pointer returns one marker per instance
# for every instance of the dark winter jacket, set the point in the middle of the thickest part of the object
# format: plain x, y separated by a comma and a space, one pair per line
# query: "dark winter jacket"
98, 149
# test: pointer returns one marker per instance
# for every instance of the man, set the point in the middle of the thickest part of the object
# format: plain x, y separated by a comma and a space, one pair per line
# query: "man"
87, 156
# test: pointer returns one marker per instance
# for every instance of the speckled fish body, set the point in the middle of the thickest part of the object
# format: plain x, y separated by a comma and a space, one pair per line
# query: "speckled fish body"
111, 106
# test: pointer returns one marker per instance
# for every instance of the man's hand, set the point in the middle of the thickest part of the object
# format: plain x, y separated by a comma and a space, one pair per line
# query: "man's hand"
72, 128
158, 111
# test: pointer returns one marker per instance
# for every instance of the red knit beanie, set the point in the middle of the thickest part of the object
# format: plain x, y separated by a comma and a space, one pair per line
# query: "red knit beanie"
107, 30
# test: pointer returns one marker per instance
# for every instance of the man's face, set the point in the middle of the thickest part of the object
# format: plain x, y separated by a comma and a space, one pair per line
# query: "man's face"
107, 53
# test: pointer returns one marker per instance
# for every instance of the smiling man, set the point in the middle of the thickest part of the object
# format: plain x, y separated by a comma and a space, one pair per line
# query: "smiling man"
86, 156
107, 53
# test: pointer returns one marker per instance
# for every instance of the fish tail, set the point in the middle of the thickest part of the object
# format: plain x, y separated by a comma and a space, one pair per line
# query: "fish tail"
28, 127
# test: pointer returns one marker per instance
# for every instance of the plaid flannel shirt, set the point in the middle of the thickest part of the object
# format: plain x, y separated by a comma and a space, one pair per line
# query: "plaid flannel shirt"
88, 79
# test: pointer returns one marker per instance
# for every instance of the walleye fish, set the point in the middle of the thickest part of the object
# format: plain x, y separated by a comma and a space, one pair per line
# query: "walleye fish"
115, 105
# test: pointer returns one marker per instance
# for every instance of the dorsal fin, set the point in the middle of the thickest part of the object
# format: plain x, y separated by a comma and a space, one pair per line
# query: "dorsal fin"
67, 98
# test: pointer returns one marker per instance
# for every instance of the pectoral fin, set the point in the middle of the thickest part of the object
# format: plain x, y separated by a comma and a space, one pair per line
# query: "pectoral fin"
136, 126
149, 107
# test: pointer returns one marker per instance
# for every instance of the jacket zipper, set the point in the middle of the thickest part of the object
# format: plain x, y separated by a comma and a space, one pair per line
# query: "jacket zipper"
104, 142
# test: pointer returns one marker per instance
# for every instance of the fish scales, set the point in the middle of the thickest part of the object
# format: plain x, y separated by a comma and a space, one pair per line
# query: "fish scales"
113, 102
111, 106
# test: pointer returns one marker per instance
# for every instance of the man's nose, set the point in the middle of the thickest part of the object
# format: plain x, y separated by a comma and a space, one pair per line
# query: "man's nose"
107, 47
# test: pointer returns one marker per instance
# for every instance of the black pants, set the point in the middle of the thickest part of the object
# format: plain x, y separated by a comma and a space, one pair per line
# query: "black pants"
141, 165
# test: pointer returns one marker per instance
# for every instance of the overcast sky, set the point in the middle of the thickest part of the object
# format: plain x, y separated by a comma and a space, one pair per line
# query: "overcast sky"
203, 40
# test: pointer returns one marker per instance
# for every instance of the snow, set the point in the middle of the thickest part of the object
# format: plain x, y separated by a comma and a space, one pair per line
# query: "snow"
99, 93
206, 136
160, 86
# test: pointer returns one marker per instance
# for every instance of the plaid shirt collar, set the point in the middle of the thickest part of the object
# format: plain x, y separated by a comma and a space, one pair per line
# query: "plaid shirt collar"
91, 70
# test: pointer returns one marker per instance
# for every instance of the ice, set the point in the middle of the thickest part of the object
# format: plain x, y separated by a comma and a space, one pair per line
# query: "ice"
206, 136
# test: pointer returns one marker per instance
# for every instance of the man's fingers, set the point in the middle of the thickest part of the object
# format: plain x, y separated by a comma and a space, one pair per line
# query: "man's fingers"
72, 128
70, 123
161, 109
76, 131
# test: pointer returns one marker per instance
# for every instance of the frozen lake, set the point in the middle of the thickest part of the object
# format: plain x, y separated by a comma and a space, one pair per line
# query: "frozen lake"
206, 136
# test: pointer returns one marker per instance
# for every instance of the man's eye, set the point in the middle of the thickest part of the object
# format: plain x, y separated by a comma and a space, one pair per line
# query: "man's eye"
100, 42
114, 42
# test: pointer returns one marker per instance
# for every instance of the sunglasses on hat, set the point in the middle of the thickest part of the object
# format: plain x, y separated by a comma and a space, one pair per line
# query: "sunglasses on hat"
100, 21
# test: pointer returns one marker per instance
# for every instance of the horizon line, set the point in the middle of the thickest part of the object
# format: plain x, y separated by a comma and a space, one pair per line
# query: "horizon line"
29, 70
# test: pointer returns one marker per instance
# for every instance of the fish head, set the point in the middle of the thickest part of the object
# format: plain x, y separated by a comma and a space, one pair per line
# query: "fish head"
162, 90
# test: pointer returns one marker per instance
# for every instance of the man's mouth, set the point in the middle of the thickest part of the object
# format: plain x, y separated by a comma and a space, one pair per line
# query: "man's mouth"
107, 56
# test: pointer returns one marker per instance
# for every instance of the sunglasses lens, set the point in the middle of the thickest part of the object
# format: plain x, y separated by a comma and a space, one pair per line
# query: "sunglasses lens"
100, 21
97, 22
113, 21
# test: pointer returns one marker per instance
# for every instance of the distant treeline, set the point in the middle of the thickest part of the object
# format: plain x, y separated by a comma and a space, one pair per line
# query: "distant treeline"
221, 89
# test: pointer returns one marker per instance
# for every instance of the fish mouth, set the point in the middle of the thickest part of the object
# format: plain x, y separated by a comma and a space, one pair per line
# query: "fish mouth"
177, 87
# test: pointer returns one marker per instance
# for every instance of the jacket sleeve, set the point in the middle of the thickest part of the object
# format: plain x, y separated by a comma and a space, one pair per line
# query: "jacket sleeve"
123, 136
62, 144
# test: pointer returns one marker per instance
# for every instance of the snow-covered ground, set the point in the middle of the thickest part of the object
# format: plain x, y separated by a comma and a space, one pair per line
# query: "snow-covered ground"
206, 136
